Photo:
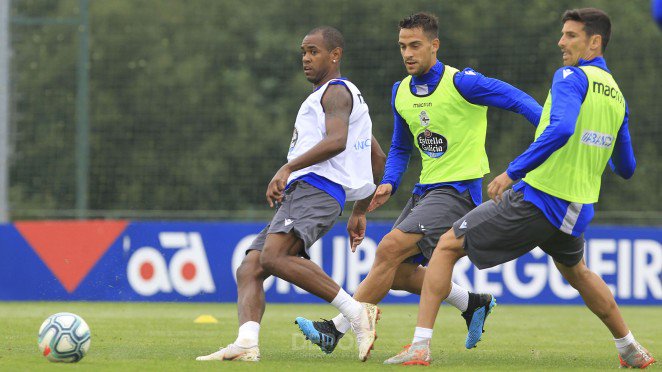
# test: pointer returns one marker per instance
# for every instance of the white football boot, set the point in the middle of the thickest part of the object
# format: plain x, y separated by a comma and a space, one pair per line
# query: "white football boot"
364, 329
234, 352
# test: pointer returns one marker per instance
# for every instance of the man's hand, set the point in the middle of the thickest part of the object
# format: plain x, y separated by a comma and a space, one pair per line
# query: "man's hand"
356, 229
382, 195
277, 185
498, 185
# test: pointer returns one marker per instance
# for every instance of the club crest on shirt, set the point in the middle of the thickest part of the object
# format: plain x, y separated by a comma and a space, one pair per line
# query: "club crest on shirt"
295, 137
432, 144
425, 119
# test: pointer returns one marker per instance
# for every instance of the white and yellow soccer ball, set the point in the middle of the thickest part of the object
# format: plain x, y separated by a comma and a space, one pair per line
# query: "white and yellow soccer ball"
64, 337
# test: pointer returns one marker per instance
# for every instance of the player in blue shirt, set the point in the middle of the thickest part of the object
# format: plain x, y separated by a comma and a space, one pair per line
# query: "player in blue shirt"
520, 219
656, 7
433, 207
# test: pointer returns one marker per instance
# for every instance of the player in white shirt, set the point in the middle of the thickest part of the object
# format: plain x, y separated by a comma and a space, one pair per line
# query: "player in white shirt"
332, 158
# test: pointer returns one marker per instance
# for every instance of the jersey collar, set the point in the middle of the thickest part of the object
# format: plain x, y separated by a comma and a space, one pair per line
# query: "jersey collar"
340, 78
597, 62
429, 78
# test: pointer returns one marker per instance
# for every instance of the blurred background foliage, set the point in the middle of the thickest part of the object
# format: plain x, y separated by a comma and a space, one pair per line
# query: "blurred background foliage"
192, 103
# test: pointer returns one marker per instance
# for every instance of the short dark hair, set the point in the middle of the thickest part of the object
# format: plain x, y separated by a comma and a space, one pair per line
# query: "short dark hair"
595, 22
332, 37
427, 21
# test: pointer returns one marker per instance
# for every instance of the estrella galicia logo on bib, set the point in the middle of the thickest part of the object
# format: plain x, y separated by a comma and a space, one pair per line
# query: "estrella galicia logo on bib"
295, 137
432, 144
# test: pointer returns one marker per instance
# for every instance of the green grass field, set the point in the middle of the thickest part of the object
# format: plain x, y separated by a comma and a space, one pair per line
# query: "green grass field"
163, 337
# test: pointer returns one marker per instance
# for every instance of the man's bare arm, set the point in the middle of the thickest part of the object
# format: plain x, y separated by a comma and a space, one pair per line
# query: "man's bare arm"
337, 104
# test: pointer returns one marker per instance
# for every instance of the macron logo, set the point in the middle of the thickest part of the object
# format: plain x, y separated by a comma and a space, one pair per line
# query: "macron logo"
567, 72
463, 225
288, 222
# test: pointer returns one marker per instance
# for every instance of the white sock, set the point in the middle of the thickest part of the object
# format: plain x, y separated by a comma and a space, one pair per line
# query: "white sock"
341, 323
459, 297
622, 343
348, 306
422, 334
249, 333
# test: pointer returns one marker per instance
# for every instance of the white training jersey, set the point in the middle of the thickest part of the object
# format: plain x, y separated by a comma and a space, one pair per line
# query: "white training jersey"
351, 168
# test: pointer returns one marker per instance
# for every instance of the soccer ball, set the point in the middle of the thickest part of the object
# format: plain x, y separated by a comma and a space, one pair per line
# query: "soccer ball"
64, 337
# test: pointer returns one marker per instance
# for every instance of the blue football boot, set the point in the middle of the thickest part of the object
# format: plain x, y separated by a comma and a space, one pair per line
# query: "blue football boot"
480, 306
323, 333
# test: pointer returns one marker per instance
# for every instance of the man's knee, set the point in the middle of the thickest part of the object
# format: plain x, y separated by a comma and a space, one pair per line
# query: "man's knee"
392, 251
268, 261
451, 246
575, 275
277, 247
408, 277
250, 268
